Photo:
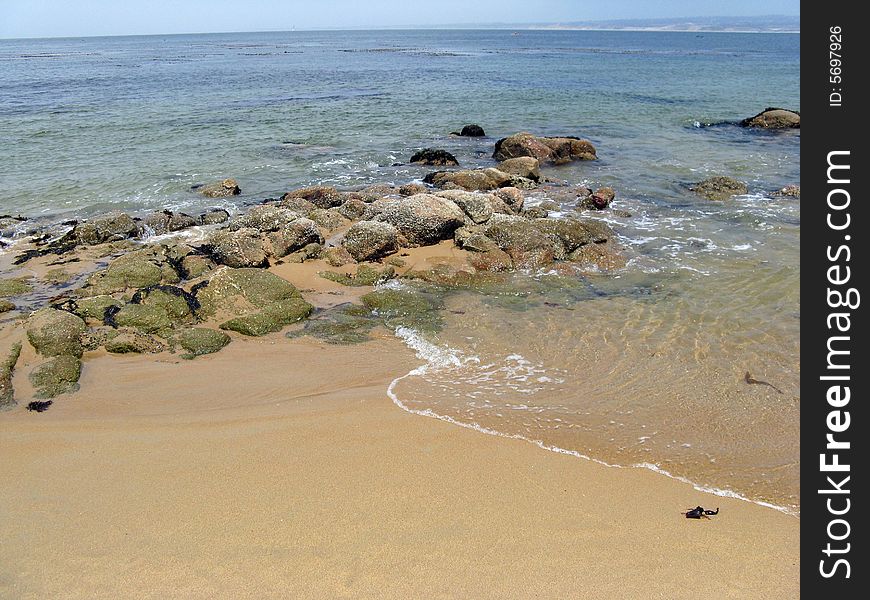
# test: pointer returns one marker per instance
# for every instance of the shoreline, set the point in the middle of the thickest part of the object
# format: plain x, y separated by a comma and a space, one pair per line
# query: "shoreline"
329, 490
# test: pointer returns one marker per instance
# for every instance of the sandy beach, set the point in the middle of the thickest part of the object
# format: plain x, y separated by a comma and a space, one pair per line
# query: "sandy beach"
194, 479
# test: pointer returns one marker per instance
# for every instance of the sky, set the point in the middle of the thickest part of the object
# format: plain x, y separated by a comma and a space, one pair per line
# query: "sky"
58, 18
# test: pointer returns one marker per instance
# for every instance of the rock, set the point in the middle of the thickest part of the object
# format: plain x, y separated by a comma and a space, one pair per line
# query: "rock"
527, 245
6, 305
435, 157
353, 209
178, 304
338, 256
273, 317
137, 269
343, 324
423, 219
156, 223
477, 206
214, 216
265, 218
94, 308
200, 341
329, 219
110, 227
237, 249
475, 242
774, 118
300, 206
14, 287
567, 234
133, 342
55, 332
791, 191
409, 189
539, 211
7, 368
599, 230
524, 166
602, 198
494, 260
221, 189
237, 291
294, 236
406, 307
602, 256
719, 188
194, 266
180, 220
470, 179
366, 275
147, 319
60, 375
320, 195
554, 150
371, 193
471, 131
371, 240
310, 251
511, 196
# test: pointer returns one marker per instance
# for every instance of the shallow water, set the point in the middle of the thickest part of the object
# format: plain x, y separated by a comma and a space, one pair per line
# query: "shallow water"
643, 366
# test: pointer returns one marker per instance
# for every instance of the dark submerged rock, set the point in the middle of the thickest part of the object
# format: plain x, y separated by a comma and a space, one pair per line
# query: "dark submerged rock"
719, 188
435, 157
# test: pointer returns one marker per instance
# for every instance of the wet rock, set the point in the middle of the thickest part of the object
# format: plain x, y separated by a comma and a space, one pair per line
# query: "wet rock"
601, 198
180, 220
273, 317
556, 150
93, 308
110, 227
294, 236
338, 256
321, 196
719, 188
156, 223
411, 308
137, 269
300, 206
527, 245
352, 209
14, 287
774, 118
133, 342
602, 256
471, 131
237, 249
477, 206
264, 218
343, 324
470, 179
410, 189
423, 219
57, 376
221, 189
6, 306
435, 157
199, 341
366, 275
494, 260
237, 291
511, 196
370, 240
329, 219
145, 318
194, 266
790, 191
567, 234
7, 368
524, 166
55, 332
178, 304
214, 216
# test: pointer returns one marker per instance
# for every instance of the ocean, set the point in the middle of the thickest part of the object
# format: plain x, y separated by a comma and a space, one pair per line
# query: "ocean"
642, 367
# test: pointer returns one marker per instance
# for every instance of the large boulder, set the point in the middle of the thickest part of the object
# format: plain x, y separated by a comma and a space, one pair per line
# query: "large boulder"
569, 234
719, 188
469, 179
546, 149
527, 245
265, 218
110, 227
55, 332
370, 240
239, 291
478, 207
273, 317
774, 118
137, 269
352, 209
524, 166
237, 249
435, 157
294, 236
423, 219
166, 221
321, 196
60, 375
221, 189
329, 219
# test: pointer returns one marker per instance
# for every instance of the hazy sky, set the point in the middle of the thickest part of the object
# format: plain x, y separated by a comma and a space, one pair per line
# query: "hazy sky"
48, 18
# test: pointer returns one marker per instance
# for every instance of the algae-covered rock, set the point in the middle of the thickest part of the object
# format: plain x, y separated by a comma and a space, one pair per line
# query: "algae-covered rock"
370, 240
148, 319
353, 209
338, 256
178, 304
214, 216
241, 248
719, 188
56, 332
294, 236
273, 317
329, 219
60, 375
365, 275
14, 287
137, 269
199, 341
112, 226
342, 324
243, 290
321, 196
265, 218
412, 308
134, 342
7, 367
6, 306
94, 307
524, 166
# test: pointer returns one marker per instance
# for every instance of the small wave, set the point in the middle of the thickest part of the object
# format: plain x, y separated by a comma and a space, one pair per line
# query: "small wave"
439, 358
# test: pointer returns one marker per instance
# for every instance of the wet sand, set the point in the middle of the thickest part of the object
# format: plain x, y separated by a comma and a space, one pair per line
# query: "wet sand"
281, 469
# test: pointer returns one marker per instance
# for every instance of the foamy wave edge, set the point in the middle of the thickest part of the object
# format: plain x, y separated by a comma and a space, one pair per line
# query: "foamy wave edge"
437, 357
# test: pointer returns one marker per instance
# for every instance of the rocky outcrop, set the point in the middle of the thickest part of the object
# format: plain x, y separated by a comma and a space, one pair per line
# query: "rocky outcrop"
556, 150
774, 118
221, 189
265, 218
239, 291
434, 157
527, 245
371, 240
137, 269
270, 319
163, 222
523, 166
719, 188
423, 219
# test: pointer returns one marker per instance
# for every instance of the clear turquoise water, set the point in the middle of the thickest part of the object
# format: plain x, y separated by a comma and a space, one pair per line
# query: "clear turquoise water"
645, 366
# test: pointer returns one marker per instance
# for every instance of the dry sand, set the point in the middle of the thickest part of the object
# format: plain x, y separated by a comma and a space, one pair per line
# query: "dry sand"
280, 469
